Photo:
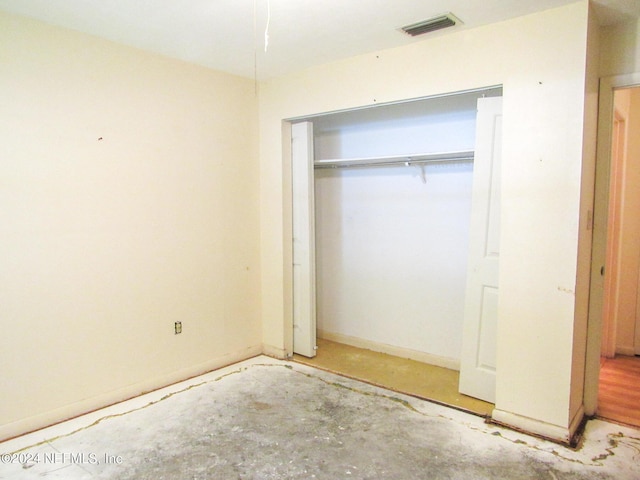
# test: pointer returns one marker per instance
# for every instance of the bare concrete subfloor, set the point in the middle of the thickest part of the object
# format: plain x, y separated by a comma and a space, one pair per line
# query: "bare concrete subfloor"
266, 419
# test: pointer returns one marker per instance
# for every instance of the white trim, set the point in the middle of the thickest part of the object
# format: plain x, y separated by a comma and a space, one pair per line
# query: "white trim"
438, 361
603, 167
626, 350
52, 417
548, 431
480, 90
275, 352
622, 81
68, 427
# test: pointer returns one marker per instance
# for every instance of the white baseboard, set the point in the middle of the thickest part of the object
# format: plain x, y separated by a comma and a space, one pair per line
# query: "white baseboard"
628, 351
46, 419
564, 435
450, 363
275, 352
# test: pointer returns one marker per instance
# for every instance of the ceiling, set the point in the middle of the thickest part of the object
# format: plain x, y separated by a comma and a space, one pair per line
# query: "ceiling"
229, 35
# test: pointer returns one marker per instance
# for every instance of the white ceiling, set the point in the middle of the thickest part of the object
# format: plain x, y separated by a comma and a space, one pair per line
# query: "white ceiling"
229, 35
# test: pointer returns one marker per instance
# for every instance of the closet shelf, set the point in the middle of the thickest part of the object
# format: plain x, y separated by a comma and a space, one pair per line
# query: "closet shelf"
415, 159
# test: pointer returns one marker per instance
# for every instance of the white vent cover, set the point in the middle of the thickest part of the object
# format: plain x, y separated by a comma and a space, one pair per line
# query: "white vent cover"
431, 25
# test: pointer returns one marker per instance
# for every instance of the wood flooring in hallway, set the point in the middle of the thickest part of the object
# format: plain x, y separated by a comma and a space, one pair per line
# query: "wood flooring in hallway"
619, 390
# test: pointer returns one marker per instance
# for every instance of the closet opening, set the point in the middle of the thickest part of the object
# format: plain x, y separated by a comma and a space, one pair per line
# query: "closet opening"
396, 244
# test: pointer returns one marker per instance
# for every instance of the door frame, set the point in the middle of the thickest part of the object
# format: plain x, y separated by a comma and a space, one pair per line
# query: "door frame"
613, 232
600, 220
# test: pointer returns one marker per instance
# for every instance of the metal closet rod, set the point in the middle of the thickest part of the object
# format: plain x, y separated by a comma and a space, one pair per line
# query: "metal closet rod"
395, 160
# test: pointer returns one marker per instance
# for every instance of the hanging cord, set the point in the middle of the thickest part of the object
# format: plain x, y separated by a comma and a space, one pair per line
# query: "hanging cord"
266, 29
255, 39
255, 46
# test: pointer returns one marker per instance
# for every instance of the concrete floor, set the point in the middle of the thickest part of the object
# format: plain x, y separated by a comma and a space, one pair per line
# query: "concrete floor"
266, 419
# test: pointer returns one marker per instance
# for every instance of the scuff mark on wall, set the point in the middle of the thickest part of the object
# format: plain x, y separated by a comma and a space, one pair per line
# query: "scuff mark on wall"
566, 290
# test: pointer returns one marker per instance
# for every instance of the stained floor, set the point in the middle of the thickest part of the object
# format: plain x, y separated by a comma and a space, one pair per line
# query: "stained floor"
395, 373
266, 419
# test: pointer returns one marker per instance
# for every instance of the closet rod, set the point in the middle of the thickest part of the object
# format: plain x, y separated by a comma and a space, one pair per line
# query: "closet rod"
395, 160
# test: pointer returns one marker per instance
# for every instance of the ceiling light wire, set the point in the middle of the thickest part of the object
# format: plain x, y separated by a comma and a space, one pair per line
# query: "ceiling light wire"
266, 30
255, 46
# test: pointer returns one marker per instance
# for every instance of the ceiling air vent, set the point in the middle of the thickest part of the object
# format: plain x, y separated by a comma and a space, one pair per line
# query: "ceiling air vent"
431, 25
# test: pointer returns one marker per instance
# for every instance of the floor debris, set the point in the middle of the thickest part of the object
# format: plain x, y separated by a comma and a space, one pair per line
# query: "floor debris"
265, 419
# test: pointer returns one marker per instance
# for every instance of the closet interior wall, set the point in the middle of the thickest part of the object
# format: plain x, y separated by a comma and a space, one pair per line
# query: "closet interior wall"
392, 241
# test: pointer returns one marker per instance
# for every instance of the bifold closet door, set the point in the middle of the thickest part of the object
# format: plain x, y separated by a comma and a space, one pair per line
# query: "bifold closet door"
304, 300
478, 359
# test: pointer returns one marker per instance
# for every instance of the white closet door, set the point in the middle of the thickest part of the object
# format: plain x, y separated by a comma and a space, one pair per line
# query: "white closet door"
304, 300
478, 359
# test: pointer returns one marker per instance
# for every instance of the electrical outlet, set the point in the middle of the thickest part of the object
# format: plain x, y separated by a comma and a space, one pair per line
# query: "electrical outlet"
178, 327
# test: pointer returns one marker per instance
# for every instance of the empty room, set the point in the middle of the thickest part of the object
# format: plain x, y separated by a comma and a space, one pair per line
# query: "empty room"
319, 239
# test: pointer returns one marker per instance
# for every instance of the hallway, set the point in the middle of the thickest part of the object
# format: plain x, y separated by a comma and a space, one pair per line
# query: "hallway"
619, 390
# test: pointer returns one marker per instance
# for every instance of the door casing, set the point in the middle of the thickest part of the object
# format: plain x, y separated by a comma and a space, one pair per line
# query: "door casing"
600, 220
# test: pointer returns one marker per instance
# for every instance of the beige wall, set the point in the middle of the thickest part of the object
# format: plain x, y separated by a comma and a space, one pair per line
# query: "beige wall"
620, 49
129, 191
542, 66
108, 242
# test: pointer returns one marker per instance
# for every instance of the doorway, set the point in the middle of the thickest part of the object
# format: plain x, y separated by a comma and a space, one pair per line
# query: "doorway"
619, 379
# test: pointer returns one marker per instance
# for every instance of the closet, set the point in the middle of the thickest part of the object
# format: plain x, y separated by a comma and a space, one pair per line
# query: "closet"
389, 202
